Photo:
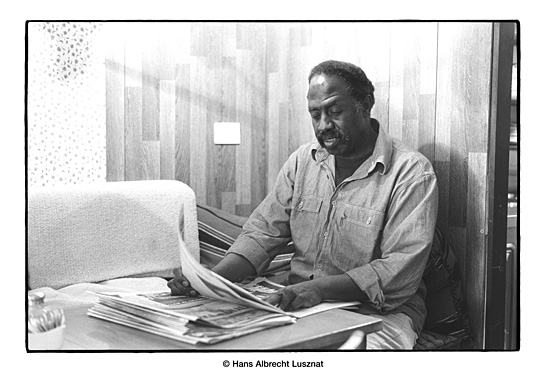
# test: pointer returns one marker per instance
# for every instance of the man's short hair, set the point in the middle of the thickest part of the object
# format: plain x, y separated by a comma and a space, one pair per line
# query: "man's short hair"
358, 85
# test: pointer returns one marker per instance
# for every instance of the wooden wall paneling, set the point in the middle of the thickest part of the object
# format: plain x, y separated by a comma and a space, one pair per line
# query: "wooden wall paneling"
180, 44
273, 56
457, 237
419, 85
478, 87
115, 101
458, 128
222, 60
148, 37
445, 108
338, 43
228, 202
199, 46
225, 166
396, 79
427, 52
296, 88
307, 133
133, 134
469, 94
182, 57
183, 120
273, 129
167, 38
259, 152
243, 116
475, 269
198, 113
167, 123
374, 59
198, 131
316, 53
151, 158
244, 35
411, 84
427, 126
280, 99
134, 90
273, 51
212, 36
442, 170
300, 127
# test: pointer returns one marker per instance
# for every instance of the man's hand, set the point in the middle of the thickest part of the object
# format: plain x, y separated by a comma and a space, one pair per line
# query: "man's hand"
296, 296
180, 285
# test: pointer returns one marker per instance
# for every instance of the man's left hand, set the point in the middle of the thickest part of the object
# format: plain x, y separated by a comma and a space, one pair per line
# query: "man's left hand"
296, 296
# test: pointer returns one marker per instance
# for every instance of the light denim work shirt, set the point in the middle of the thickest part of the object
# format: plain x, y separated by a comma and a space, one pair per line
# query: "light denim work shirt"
376, 226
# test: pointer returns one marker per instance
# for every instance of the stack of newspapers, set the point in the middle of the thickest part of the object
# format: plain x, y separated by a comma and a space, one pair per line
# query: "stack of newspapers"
222, 310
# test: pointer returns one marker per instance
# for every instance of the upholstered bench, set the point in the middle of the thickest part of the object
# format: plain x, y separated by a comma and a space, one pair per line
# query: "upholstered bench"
115, 236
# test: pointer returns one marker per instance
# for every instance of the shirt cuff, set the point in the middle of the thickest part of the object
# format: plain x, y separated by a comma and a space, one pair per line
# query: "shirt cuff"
369, 282
252, 251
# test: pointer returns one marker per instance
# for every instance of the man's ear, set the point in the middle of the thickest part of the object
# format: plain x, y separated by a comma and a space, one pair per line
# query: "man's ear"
367, 106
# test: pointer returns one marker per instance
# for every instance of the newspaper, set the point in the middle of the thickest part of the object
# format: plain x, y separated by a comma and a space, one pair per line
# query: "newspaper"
263, 288
222, 311
214, 286
162, 307
179, 329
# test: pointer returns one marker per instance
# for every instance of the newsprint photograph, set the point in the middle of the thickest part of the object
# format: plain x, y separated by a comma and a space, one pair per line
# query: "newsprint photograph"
272, 186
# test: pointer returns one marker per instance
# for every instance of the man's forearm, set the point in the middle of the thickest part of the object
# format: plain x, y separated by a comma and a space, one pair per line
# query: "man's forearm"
339, 287
235, 268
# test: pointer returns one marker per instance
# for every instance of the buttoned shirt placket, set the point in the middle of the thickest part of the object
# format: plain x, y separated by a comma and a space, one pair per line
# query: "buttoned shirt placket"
360, 174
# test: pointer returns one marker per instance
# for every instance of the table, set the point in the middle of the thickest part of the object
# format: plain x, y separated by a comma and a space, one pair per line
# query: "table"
322, 331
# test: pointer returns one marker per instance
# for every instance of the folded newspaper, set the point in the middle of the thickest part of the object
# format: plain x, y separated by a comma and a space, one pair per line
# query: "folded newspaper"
222, 311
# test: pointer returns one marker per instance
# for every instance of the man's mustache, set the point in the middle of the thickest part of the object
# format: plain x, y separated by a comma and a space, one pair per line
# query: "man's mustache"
329, 135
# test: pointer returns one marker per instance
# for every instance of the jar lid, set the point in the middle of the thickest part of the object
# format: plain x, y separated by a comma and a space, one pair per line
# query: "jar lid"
36, 298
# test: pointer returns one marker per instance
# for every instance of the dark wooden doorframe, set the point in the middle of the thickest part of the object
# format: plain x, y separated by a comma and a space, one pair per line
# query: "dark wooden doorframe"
501, 90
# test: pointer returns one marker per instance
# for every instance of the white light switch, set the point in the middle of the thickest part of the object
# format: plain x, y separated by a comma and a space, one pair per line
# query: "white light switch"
226, 133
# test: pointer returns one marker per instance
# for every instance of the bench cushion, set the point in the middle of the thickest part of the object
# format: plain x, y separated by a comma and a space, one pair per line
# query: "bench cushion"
96, 232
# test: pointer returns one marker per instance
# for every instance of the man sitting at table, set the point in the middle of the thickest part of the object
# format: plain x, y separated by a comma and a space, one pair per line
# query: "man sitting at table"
360, 208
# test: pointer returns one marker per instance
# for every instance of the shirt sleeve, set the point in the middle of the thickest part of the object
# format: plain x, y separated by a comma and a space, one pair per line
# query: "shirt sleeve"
406, 242
267, 231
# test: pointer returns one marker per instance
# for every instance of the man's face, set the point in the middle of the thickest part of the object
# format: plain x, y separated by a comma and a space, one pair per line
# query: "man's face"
338, 126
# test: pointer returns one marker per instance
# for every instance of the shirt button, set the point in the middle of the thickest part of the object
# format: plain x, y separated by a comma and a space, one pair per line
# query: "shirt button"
325, 234
301, 205
368, 221
334, 203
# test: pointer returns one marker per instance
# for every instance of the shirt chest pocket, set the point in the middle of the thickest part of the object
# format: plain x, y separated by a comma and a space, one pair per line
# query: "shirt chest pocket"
363, 217
360, 235
305, 222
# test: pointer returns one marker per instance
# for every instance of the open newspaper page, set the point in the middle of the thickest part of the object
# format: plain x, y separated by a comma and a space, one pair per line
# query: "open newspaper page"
211, 285
262, 288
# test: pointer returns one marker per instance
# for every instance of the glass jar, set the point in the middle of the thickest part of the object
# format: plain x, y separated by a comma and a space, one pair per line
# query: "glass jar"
45, 324
36, 312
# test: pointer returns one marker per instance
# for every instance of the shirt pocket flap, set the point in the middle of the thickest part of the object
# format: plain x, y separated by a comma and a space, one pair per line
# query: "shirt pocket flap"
309, 204
365, 217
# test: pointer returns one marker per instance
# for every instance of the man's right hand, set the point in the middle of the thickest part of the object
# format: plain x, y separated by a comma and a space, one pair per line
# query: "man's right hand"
180, 286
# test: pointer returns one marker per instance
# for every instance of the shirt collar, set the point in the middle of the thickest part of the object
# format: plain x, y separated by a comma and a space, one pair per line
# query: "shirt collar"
381, 154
